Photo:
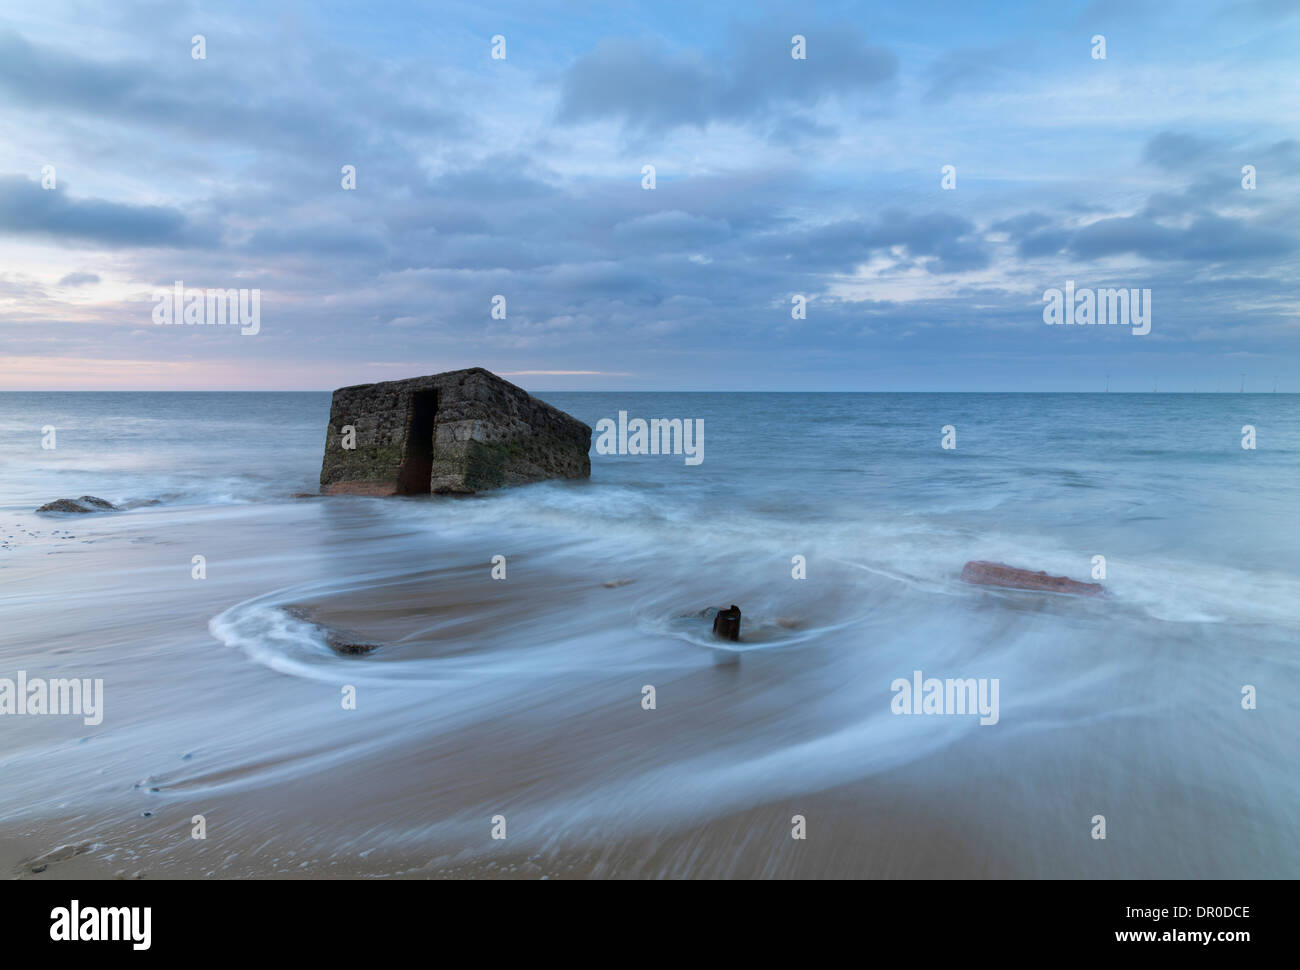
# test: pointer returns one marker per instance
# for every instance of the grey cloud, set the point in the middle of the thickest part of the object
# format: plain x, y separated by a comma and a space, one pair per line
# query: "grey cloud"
1208, 237
673, 228
323, 101
28, 209
650, 89
944, 242
340, 240
1176, 150
1043, 243
1021, 225
1282, 156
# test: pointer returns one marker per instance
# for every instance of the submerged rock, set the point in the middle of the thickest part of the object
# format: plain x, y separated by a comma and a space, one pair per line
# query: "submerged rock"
63, 505
455, 433
343, 642
1010, 577
80, 506
348, 646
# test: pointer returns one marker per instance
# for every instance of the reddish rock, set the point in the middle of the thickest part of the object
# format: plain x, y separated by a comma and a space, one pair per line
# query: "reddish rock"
998, 574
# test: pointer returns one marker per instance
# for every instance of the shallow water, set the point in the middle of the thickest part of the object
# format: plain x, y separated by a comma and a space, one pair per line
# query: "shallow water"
522, 696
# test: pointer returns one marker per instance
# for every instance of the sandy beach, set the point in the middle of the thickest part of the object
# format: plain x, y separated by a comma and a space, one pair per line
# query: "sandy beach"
522, 699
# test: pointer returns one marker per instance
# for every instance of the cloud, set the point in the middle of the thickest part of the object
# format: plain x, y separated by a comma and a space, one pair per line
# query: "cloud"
650, 88
28, 209
1208, 238
942, 242
1211, 238
1176, 150
672, 229
957, 72
78, 279
775, 177
345, 105
1021, 225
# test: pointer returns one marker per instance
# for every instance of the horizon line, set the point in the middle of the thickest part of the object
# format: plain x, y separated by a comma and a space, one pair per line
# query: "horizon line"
579, 390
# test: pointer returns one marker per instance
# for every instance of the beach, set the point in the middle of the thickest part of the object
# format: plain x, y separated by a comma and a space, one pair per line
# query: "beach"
521, 698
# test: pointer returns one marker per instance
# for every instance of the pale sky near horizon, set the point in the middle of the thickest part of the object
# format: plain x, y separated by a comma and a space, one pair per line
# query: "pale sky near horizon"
522, 177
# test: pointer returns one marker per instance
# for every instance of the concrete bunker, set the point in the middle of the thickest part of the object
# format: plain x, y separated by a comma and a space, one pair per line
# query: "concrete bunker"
459, 432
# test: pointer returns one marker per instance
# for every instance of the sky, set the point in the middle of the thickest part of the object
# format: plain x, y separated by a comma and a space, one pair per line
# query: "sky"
128, 164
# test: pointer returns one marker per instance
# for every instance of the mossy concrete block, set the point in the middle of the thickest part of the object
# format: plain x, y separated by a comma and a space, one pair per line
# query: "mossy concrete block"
460, 432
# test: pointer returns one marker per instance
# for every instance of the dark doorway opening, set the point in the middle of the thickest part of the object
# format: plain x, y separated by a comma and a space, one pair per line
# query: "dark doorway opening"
417, 454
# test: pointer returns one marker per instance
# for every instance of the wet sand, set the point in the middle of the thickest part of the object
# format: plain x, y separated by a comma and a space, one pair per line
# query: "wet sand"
494, 698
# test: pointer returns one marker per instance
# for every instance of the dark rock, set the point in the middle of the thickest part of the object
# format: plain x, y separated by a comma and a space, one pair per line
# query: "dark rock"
453, 433
348, 646
64, 505
1010, 577
81, 506
727, 623
342, 642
